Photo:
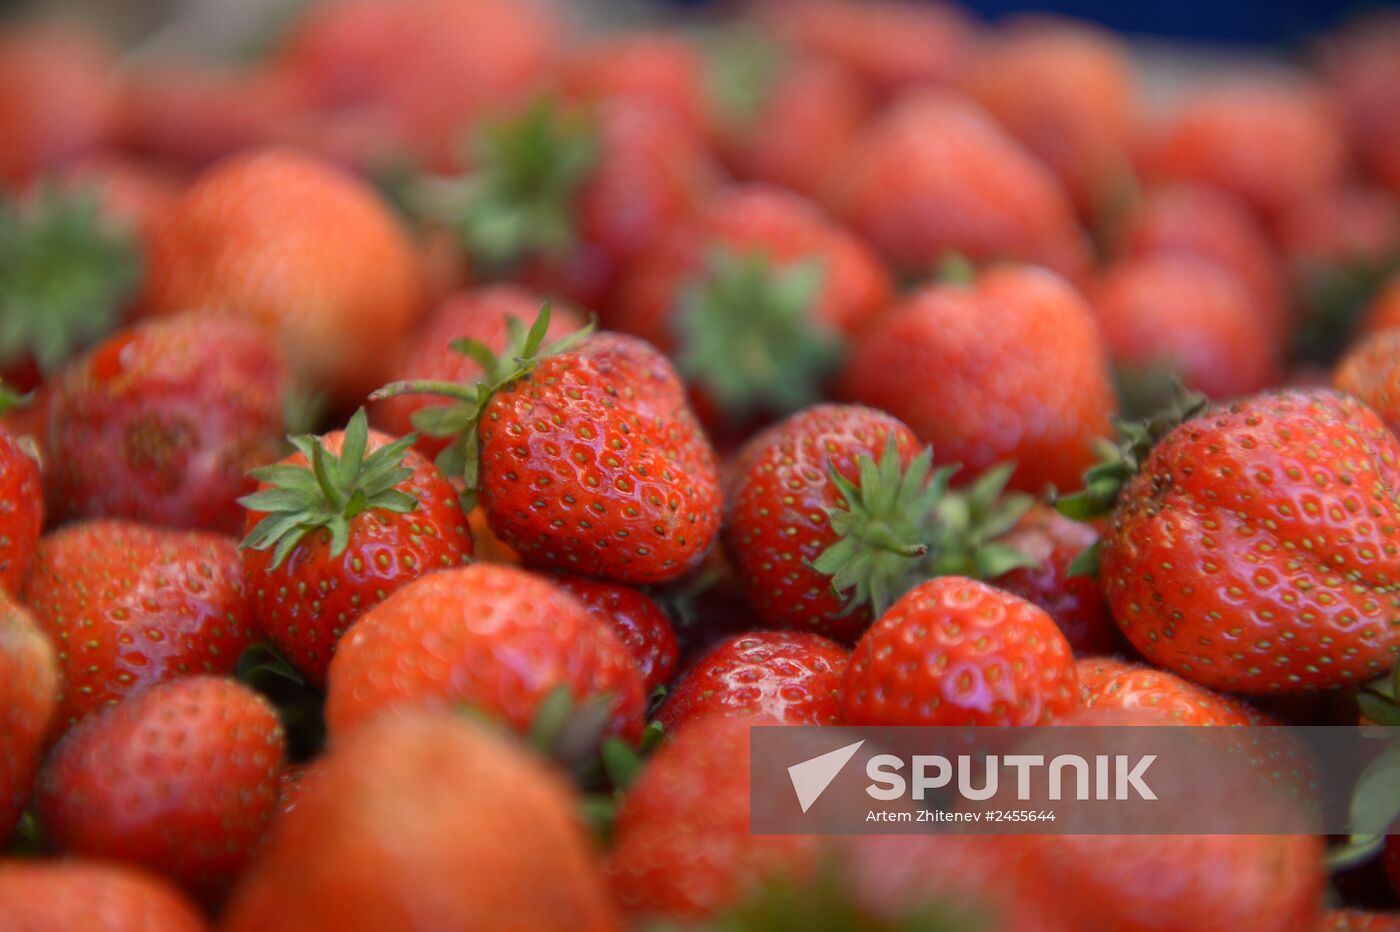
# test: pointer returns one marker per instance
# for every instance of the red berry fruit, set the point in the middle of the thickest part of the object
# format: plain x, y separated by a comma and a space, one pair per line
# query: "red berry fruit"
181, 779
62, 896
791, 677
955, 651
335, 529
21, 508
638, 622
128, 606
29, 684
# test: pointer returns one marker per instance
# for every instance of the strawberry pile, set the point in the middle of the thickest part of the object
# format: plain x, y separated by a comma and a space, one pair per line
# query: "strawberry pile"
426, 451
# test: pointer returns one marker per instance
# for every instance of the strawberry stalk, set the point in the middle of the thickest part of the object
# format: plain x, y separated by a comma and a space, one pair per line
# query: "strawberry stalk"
64, 276
747, 335
329, 492
460, 421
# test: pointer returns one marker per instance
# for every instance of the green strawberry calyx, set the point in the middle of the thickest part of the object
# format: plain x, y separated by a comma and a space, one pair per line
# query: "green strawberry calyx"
741, 68
461, 419
971, 523
64, 275
748, 336
1119, 462
329, 491
518, 199
11, 400
885, 528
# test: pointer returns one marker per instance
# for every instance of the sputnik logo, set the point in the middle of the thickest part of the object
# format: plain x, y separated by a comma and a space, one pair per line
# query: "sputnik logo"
811, 777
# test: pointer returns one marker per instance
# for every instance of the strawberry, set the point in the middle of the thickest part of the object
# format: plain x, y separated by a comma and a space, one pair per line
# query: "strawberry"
1362, 66
584, 454
190, 115
479, 314
1370, 371
1182, 219
495, 638
1140, 689
565, 196
1175, 882
1177, 317
890, 44
419, 71
58, 99
60, 896
954, 651
28, 699
181, 408
348, 518
1351, 228
1009, 368
1281, 476
831, 513
1096, 672
1051, 542
431, 822
66, 270
294, 244
21, 508
934, 176
128, 606
1214, 137
1065, 90
792, 677
654, 67
780, 116
133, 194
181, 779
683, 850
638, 622
753, 298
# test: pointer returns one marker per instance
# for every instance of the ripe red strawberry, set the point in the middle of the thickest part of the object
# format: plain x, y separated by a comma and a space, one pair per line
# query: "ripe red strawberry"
300, 246
1095, 672
955, 651
783, 117
420, 71
1254, 549
1009, 368
658, 68
67, 267
821, 553
59, 896
565, 196
890, 44
182, 779
754, 298
584, 454
479, 314
57, 99
127, 606
1183, 219
1370, 371
1346, 229
28, 699
494, 638
133, 194
1214, 137
1171, 882
432, 822
1166, 317
638, 622
1140, 689
934, 176
683, 850
1052, 542
180, 407
792, 677
338, 526
21, 507
1362, 66
1065, 90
